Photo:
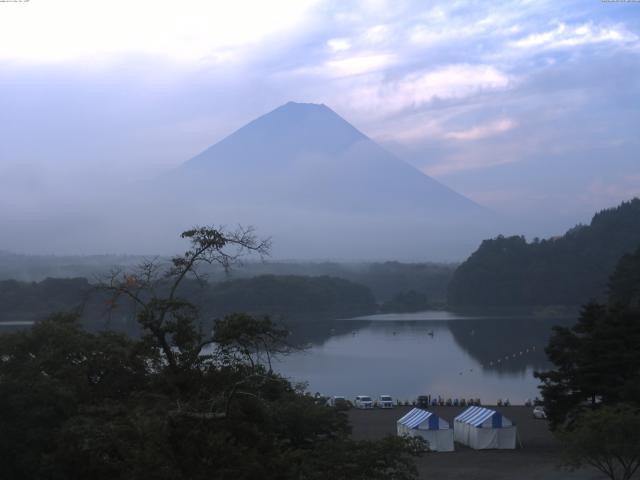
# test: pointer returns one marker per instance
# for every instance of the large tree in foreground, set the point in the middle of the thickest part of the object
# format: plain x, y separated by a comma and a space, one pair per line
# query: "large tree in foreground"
607, 439
592, 396
181, 402
597, 361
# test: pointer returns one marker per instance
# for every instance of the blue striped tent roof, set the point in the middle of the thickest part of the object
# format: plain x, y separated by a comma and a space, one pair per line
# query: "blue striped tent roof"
417, 416
476, 416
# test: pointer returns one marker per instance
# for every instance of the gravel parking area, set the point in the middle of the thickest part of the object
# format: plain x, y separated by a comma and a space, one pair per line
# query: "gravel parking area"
538, 457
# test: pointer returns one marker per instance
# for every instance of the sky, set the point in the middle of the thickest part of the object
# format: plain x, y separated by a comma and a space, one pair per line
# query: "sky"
530, 108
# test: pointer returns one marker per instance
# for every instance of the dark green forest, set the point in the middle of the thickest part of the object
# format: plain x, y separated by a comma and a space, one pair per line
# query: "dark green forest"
290, 296
410, 301
591, 395
384, 279
567, 270
177, 402
597, 360
287, 297
624, 284
29, 301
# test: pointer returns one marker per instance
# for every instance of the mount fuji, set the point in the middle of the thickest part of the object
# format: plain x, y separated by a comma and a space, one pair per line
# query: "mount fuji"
323, 190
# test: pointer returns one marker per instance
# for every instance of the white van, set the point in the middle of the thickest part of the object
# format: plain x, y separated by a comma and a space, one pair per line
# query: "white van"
363, 401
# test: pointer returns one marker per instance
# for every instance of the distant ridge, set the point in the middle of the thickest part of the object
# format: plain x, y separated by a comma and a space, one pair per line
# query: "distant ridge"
567, 270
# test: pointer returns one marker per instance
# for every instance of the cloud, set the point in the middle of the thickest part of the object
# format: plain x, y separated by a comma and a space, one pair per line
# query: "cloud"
571, 36
481, 131
339, 44
346, 66
191, 30
377, 34
611, 192
451, 81
432, 34
466, 161
481, 94
633, 179
417, 89
496, 198
437, 125
357, 65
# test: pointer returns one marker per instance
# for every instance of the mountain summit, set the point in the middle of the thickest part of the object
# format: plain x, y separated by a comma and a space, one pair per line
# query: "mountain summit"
290, 130
306, 155
321, 189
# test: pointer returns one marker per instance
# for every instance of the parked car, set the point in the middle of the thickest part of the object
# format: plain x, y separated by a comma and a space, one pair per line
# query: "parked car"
385, 401
338, 402
363, 401
538, 412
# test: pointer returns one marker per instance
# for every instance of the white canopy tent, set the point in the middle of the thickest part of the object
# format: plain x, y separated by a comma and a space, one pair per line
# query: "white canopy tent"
481, 428
435, 430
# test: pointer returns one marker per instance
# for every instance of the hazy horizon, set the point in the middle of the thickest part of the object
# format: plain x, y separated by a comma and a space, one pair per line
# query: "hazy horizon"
527, 109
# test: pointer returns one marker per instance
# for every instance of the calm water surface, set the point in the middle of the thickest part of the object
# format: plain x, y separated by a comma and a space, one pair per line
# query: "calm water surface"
436, 353
405, 355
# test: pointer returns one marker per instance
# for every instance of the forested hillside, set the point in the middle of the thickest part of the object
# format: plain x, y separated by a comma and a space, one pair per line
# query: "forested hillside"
385, 279
37, 300
624, 285
566, 270
288, 297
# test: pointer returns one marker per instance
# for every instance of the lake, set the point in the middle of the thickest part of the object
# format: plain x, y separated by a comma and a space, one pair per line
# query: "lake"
436, 352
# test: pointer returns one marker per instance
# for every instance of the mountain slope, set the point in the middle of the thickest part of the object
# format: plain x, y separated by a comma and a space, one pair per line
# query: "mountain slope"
321, 189
303, 176
307, 155
569, 270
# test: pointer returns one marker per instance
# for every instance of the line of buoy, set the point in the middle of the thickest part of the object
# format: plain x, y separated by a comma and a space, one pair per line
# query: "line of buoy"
513, 355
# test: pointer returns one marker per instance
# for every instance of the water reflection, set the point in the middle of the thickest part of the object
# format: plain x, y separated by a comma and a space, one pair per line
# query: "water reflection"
405, 355
437, 353
506, 345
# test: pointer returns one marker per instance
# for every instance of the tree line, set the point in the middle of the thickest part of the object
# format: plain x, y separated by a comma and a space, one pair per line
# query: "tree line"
283, 296
567, 270
384, 279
